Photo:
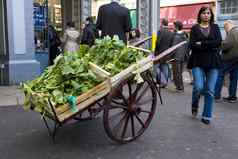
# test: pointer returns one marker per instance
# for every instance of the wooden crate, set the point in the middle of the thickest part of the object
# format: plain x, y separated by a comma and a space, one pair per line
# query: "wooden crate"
85, 100
136, 68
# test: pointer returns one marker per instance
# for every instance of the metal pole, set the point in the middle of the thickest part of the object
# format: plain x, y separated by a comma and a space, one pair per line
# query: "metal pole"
155, 21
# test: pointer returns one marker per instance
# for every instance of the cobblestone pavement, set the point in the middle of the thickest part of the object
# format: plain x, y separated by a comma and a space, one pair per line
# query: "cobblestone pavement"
173, 134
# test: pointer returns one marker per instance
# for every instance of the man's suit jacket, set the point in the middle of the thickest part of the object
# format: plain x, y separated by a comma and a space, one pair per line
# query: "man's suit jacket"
113, 19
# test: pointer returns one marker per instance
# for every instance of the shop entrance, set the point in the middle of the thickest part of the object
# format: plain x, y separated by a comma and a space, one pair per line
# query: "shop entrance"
3, 46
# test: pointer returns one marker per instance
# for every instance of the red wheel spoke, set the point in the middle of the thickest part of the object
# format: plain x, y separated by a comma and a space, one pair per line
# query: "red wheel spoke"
137, 89
118, 125
142, 93
118, 103
140, 121
129, 88
123, 98
144, 102
132, 126
146, 111
117, 114
117, 107
125, 126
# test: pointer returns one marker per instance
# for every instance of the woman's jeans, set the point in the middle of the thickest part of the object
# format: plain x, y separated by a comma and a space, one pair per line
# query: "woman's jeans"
204, 84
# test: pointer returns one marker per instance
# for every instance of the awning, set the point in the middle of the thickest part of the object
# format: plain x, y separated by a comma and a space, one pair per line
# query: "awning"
187, 14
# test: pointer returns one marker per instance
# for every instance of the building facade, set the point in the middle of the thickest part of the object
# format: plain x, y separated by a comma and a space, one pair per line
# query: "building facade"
183, 10
18, 59
227, 10
24, 29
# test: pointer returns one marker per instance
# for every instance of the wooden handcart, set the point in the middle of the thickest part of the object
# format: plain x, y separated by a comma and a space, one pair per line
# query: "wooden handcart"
128, 105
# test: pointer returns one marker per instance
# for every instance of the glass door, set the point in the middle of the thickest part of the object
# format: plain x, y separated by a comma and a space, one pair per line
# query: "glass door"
3, 48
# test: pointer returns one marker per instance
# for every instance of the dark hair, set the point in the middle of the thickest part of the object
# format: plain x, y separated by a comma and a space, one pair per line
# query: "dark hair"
178, 25
164, 22
71, 24
199, 20
89, 19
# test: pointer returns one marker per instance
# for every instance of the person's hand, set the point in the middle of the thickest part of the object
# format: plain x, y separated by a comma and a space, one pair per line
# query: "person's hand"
198, 43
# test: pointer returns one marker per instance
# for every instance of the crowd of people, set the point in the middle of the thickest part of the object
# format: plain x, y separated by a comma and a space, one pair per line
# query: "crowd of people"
205, 53
208, 57
113, 19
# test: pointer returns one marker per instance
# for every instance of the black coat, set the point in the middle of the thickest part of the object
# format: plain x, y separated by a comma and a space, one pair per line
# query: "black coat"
90, 33
163, 42
206, 55
114, 19
180, 53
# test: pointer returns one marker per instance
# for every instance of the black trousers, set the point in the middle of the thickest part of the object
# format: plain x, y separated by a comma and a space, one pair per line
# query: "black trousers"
177, 68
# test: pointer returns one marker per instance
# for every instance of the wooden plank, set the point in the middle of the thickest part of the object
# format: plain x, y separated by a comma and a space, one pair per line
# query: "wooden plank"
99, 71
124, 73
83, 105
85, 96
143, 68
140, 49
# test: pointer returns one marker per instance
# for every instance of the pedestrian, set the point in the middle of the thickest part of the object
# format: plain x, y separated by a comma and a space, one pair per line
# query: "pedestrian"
114, 19
90, 32
70, 38
230, 59
179, 56
205, 61
54, 44
163, 42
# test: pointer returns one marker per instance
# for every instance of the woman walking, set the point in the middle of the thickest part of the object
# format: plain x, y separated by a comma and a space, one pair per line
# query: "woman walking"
205, 61
70, 38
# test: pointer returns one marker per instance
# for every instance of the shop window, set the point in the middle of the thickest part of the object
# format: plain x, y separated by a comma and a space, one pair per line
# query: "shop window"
229, 7
46, 12
40, 25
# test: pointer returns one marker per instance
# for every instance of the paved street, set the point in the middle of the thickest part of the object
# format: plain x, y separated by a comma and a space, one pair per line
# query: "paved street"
173, 134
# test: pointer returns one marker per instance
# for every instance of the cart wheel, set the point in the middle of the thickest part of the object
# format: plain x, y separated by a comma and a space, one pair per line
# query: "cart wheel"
129, 109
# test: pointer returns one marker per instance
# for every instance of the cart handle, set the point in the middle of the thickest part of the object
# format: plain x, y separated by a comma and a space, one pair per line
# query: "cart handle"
140, 49
142, 41
168, 51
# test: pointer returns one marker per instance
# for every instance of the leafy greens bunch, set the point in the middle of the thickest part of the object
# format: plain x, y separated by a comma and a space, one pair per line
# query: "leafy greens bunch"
112, 54
69, 76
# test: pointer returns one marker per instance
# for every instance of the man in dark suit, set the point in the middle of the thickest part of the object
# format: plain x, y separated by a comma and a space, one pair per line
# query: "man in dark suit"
114, 19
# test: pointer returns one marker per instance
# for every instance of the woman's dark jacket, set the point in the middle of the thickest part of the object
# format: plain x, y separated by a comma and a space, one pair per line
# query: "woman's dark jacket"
206, 55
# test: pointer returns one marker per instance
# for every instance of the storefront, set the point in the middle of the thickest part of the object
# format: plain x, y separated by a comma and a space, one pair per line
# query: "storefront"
23, 26
56, 13
187, 13
46, 12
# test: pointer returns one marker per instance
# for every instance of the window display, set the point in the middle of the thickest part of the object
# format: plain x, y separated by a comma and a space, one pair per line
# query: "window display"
46, 12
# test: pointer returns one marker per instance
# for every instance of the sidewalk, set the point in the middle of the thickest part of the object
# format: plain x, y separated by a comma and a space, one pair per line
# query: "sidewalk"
10, 96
